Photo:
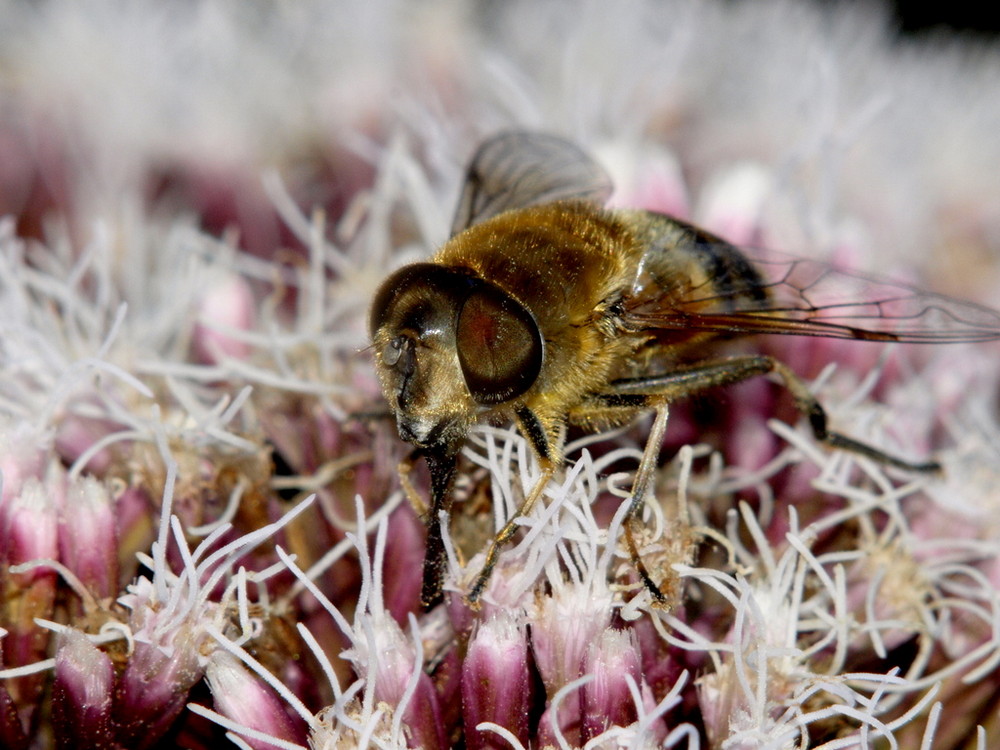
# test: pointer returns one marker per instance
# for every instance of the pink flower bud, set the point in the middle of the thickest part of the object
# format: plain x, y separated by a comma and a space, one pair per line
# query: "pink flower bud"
82, 693
29, 529
76, 434
647, 176
401, 570
227, 304
242, 697
495, 682
28, 534
393, 675
733, 202
87, 538
607, 700
563, 629
153, 690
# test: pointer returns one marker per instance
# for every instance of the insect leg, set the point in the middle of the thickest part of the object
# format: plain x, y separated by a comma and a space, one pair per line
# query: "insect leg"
545, 441
493, 553
635, 392
810, 407
657, 392
404, 469
640, 487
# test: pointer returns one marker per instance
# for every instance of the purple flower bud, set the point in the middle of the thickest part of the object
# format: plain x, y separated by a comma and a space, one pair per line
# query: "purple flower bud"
386, 659
495, 682
607, 700
76, 434
28, 533
242, 697
563, 629
393, 677
400, 570
87, 538
153, 689
12, 734
82, 693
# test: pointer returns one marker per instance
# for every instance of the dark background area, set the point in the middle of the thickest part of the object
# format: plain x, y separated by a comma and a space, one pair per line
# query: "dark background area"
966, 16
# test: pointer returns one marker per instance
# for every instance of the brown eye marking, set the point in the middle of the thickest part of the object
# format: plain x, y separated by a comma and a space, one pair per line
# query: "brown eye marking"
499, 345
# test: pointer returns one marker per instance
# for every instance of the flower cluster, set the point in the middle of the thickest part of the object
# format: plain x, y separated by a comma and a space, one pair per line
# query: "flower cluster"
203, 533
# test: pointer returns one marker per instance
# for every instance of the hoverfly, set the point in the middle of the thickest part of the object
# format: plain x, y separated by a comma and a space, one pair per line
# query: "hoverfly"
547, 309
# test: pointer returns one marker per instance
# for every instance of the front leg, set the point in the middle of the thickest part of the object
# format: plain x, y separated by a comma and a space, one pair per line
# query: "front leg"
404, 470
546, 438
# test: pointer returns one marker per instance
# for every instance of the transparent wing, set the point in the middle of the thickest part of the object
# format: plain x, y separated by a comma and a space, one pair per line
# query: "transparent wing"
808, 298
519, 169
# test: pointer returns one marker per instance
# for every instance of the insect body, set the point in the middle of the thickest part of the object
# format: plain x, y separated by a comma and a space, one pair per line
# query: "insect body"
547, 309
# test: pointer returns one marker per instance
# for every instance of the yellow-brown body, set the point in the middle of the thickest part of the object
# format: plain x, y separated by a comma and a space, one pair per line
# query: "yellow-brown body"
568, 265
576, 268
546, 308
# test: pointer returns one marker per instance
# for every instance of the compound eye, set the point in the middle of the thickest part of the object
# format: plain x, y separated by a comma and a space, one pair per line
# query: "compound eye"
499, 345
407, 282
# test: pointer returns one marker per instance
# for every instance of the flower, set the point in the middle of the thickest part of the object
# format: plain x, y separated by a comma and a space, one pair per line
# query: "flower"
496, 686
27, 533
186, 260
82, 691
245, 701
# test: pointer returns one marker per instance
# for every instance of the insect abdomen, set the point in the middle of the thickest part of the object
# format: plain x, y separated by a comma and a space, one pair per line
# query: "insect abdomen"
689, 268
